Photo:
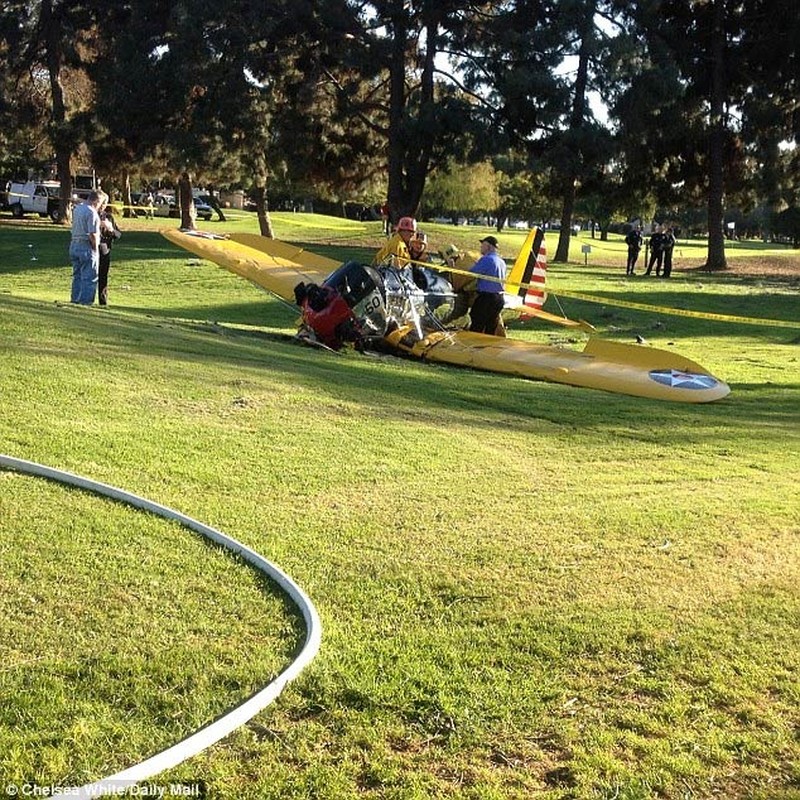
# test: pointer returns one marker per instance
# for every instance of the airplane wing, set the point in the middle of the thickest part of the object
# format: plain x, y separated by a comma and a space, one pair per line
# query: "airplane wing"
289, 252
273, 266
618, 367
514, 307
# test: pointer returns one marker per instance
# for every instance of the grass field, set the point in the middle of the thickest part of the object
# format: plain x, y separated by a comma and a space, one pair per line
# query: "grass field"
527, 590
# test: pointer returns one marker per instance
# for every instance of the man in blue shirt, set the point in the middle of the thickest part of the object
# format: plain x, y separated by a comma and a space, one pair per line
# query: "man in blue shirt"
485, 313
83, 249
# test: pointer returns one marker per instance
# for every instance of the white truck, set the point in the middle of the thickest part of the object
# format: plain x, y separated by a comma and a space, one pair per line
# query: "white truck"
34, 197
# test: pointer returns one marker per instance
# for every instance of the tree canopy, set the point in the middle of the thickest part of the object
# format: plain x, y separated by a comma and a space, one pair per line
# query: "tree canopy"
349, 99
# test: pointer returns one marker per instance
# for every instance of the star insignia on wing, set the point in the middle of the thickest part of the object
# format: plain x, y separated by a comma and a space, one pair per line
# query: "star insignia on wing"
677, 379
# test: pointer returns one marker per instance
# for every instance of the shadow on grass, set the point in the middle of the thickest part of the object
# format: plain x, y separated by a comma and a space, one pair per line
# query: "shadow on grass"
40, 247
263, 312
393, 388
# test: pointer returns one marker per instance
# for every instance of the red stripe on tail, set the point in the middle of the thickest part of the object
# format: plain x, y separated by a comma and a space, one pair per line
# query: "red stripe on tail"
535, 295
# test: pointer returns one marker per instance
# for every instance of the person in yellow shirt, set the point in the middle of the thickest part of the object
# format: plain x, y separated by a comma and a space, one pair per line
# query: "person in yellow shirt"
463, 285
395, 251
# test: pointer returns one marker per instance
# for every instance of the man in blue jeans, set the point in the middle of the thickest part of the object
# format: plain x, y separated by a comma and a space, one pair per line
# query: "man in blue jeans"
485, 313
84, 249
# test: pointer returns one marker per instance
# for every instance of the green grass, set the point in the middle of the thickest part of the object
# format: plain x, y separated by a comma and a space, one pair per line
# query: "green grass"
526, 589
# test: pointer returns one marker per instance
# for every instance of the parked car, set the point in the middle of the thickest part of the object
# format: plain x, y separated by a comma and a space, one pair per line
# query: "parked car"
165, 205
205, 206
204, 210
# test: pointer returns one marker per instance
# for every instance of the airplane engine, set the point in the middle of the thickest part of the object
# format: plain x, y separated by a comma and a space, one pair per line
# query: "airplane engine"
348, 306
363, 290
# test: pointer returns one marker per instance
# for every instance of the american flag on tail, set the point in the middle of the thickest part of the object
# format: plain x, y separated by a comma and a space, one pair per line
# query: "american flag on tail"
529, 273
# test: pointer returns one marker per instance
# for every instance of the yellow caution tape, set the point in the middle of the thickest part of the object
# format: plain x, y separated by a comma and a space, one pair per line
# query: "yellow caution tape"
680, 312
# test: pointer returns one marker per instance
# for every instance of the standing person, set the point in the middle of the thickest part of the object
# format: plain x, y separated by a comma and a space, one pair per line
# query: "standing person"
385, 218
109, 233
488, 303
634, 242
395, 251
668, 245
656, 251
83, 249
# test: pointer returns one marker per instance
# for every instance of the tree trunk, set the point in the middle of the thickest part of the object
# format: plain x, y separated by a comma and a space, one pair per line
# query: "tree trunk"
568, 193
186, 202
398, 202
410, 156
576, 122
716, 144
61, 142
127, 200
262, 211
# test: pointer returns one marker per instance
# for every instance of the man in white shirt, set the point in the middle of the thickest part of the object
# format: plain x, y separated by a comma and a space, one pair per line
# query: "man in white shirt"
83, 249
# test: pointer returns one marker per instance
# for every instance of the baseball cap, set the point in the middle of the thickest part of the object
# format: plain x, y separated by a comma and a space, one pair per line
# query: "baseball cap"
490, 240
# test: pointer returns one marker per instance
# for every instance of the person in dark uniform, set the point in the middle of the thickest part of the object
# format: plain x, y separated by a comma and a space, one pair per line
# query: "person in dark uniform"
656, 252
634, 242
668, 245
109, 233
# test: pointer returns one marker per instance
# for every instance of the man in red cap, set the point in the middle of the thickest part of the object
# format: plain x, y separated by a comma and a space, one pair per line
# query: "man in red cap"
395, 251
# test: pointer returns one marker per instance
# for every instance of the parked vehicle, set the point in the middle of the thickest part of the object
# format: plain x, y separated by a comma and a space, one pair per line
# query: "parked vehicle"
203, 209
35, 197
165, 205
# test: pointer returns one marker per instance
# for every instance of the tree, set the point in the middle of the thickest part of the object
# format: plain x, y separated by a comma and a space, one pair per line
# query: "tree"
571, 143
24, 114
517, 59
728, 72
230, 93
718, 95
602, 198
460, 190
524, 194
398, 89
47, 44
787, 224
770, 115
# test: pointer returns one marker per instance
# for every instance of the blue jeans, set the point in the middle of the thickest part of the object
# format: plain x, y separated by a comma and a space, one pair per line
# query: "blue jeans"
85, 263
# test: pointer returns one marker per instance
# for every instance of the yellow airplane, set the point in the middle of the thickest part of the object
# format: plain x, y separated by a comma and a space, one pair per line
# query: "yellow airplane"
399, 308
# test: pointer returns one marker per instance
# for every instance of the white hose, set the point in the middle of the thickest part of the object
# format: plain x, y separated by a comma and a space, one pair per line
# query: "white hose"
212, 733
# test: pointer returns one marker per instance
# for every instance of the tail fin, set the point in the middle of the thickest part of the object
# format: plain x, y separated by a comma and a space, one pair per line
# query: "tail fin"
529, 273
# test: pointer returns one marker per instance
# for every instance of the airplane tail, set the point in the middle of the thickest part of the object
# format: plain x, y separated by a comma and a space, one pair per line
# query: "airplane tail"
527, 279
529, 274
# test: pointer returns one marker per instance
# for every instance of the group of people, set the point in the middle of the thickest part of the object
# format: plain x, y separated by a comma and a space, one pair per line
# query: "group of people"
94, 232
481, 295
661, 244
